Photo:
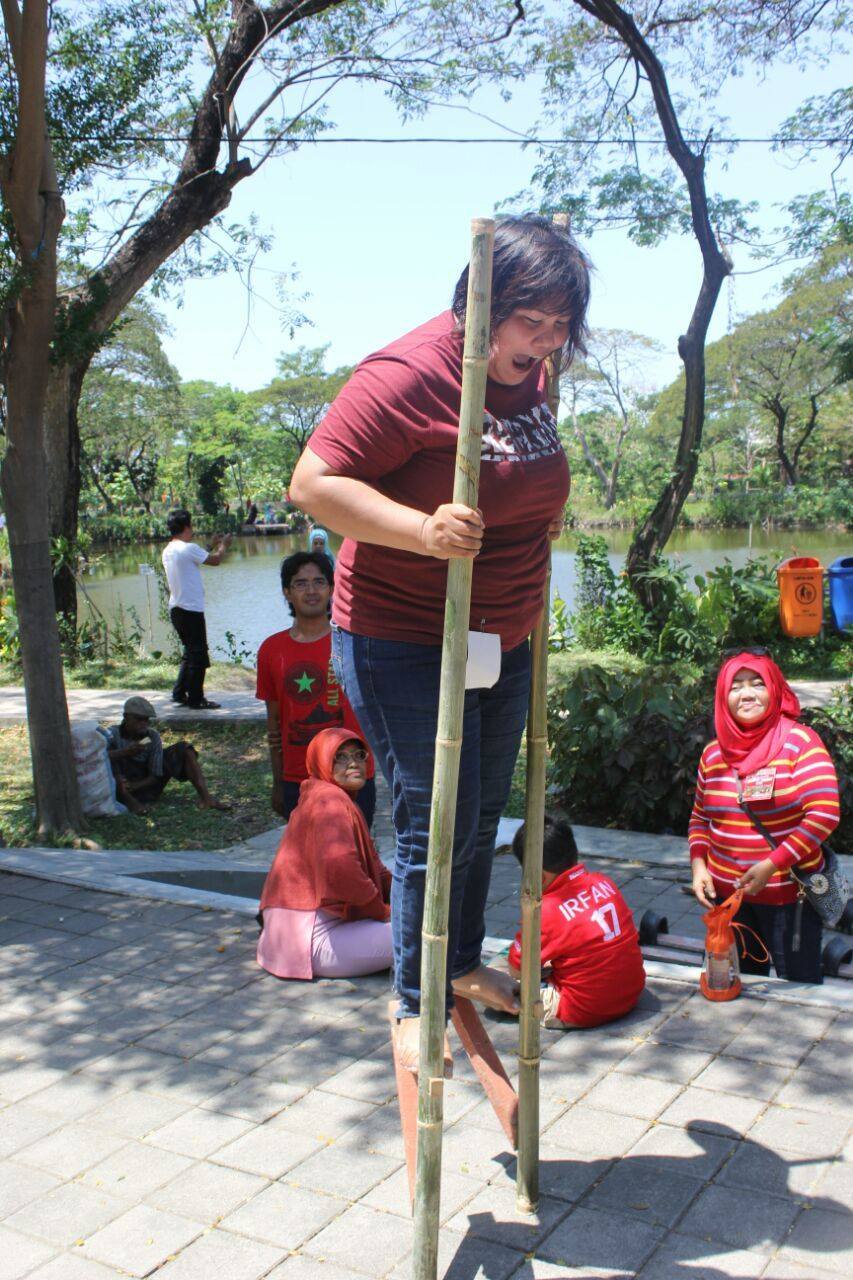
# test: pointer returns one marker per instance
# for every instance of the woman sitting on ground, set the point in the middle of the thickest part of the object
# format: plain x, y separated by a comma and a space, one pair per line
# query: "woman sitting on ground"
324, 909
785, 775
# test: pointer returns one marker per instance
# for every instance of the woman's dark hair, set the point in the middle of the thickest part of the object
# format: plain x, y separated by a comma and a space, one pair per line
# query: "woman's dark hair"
559, 851
539, 265
291, 565
178, 520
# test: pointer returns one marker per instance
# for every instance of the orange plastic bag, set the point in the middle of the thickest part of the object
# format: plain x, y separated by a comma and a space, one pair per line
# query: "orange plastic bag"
721, 977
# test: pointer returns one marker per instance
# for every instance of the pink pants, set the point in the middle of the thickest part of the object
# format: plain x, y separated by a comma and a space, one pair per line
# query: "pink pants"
349, 948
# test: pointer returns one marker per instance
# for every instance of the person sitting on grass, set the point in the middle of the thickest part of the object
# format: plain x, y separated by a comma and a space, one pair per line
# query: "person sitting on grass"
589, 939
324, 909
143, 767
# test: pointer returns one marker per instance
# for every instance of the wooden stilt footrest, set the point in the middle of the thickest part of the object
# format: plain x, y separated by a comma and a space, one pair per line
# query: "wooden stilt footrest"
490, 1072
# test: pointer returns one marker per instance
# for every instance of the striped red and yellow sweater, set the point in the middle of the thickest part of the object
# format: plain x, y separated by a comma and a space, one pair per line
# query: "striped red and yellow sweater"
802, 812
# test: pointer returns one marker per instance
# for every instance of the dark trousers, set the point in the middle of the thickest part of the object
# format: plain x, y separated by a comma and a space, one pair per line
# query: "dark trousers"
775, 927
365, 799
192, 632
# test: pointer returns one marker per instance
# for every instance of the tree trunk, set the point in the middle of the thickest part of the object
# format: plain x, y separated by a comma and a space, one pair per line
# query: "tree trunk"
787, 466
600, 474
199, 193
652, 536
811, 423
62, 445
36, 212
613, 481
108, 502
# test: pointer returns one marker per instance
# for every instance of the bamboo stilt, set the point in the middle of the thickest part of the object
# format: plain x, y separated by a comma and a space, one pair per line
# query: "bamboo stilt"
490, 1072
448, 746
529, 1040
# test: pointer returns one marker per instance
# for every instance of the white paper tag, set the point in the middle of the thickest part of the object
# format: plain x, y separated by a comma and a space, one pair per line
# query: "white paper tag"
484, 660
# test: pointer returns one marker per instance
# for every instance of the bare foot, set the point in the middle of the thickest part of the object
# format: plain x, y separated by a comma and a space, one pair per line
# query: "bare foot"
213, 803
490, 987
407, 1034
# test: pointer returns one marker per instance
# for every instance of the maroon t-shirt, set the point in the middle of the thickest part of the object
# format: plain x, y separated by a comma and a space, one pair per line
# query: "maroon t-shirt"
394, 425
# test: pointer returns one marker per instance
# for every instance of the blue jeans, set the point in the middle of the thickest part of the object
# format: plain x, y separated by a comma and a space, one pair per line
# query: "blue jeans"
393, 689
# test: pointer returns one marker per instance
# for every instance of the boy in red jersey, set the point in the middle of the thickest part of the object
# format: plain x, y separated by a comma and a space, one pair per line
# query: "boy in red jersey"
589, 939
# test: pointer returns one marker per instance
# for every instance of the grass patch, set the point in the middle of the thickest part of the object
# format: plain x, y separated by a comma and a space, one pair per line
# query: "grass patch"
140, 673
235, 762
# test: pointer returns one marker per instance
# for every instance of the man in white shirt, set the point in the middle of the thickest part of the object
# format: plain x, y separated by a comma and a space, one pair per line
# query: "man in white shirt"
182, 559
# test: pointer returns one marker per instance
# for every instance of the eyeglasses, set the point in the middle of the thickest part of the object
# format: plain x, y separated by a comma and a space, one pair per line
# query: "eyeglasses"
306, 583
343, 758
756, 652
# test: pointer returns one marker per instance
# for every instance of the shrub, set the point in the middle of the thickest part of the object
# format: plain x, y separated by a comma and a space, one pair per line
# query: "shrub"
10, 641
834, 723
801, 505
692, 622
106, 527
625, 745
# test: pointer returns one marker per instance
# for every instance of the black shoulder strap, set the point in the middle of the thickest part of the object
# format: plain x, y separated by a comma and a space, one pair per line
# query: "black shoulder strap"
753, 817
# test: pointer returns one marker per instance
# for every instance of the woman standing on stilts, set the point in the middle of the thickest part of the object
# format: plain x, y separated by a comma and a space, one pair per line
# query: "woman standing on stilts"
379, 470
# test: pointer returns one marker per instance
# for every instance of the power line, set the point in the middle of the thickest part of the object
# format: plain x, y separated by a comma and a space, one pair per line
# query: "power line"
421, 141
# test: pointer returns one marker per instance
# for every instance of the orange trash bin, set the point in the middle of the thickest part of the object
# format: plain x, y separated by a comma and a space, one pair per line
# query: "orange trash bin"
800, 596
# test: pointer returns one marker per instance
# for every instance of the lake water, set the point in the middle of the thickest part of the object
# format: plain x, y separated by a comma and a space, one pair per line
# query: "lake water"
243, 594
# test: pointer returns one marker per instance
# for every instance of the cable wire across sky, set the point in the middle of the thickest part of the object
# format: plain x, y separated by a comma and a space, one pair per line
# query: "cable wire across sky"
518, 141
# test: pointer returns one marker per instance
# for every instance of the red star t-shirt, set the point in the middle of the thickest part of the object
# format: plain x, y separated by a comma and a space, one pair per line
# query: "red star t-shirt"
300, 677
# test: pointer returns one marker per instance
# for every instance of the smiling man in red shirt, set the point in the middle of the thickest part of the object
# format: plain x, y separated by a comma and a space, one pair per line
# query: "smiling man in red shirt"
297, 682
589, 939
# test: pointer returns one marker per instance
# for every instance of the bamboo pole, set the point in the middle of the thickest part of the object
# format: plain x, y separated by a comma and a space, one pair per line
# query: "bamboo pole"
529, 1050
448, 745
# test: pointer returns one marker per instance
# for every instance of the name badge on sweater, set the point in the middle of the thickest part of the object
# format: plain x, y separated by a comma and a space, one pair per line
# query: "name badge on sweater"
484, 660
759, 785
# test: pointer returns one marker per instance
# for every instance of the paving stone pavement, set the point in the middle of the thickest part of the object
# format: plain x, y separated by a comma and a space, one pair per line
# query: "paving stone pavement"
168, 1109
241, 704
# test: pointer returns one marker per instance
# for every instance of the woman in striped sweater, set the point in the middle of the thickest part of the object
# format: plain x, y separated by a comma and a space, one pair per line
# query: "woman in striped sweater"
788, 779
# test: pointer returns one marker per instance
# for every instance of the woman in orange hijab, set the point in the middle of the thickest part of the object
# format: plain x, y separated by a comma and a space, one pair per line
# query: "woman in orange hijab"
782, 771
324, 909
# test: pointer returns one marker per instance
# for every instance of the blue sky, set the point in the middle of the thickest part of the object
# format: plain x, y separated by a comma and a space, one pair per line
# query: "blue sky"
379, 234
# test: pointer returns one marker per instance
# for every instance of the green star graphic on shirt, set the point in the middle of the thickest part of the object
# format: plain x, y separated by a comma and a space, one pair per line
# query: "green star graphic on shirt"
305, 682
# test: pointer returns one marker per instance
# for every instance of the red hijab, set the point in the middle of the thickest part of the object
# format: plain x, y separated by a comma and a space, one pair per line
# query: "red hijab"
749, 747
326, 857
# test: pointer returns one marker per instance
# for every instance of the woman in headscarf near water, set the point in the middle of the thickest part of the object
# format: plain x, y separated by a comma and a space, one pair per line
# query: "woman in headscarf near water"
788, 779
324, 907
318, 540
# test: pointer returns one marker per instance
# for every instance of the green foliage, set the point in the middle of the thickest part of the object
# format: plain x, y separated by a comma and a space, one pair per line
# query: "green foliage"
210, 485
149, 439
294, 402
236, 651
559, 628
806, 505
150, 528
111, 69
694, 622
625, 746
834, 723
607, 613
10, 642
